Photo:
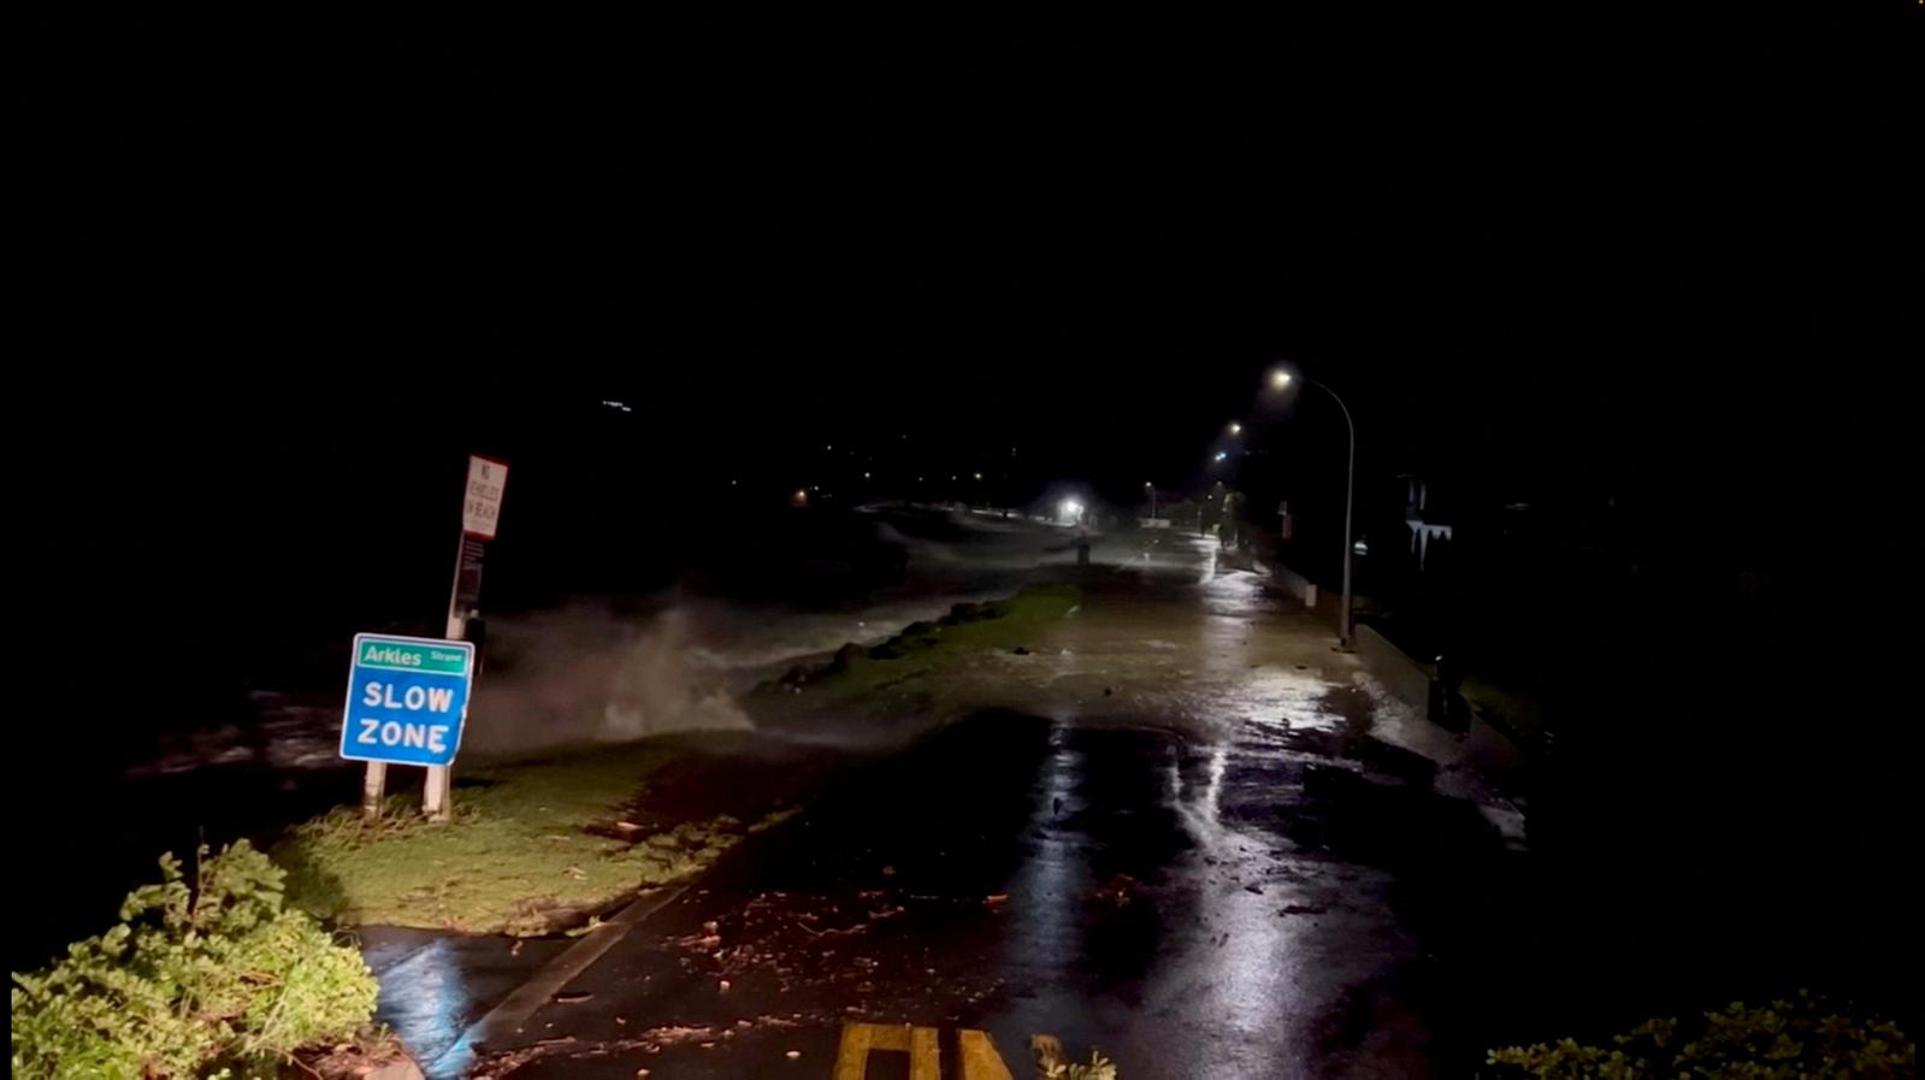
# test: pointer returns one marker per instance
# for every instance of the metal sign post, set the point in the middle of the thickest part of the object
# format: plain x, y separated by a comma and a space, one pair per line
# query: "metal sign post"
480, 513
386, 735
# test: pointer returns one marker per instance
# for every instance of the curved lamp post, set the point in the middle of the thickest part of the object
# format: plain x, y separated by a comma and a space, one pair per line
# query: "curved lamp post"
1281, 379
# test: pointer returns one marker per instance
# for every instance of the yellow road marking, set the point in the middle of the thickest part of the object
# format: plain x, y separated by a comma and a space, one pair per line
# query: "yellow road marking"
852, 1057
980, 1061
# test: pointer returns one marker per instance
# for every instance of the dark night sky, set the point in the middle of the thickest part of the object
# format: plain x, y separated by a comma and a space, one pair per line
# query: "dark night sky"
1669, 255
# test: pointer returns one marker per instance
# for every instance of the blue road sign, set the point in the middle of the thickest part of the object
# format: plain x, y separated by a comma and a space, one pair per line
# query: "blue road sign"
407, 698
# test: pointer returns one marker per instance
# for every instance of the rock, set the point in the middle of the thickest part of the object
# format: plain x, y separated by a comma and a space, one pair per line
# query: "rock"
964, 613
1020, 651
401, 1068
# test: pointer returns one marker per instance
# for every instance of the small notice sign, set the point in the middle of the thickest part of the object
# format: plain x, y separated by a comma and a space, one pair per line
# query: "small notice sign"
481, 503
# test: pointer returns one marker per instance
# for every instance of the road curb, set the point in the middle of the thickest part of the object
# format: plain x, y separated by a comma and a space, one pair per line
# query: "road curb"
518, 1006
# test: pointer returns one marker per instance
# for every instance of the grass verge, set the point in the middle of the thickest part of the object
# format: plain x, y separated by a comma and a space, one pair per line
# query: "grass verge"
534, 847
878, 673
540, 846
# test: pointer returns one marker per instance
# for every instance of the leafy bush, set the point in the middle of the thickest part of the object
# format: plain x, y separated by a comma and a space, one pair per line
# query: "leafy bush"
213, 976
1801, 1038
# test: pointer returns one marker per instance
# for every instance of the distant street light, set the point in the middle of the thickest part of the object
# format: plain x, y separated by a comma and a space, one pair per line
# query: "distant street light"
1151, 488
1236, 428
979, 476
1280, 379
1222, 455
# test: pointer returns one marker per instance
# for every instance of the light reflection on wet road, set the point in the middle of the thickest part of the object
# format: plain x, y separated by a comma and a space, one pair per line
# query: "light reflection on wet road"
1171, 832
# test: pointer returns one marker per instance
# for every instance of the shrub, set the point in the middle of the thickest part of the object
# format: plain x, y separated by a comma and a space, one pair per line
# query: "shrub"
212, 976
1801, 1038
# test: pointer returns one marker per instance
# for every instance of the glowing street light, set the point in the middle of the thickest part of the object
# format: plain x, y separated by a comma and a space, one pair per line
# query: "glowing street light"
1281, 378
1222, 455
1236, 428
1151, 488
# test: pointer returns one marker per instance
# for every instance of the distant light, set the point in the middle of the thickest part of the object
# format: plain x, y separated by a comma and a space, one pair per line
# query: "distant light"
979, 476
732, 483
1146, 483
865, 476
1069, 509
1236, 428
952, 476
1279, 379
1221, 455
919, 479
828, 448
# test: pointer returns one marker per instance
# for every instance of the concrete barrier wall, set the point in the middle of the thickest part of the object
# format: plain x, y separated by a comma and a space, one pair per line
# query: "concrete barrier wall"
1492, 751
1405, 678
1296, 584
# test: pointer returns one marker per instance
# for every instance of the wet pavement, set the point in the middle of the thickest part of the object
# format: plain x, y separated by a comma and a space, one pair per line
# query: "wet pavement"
1180, 829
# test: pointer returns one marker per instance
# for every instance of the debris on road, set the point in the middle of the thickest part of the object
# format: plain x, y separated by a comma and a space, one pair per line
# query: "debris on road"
1119, 890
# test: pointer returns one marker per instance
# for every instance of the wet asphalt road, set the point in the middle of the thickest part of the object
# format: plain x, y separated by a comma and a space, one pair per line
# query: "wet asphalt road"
1179, 832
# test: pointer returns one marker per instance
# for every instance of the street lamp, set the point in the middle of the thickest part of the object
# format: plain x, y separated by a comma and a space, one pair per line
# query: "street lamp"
1151, 488
1236, 428
1280, 379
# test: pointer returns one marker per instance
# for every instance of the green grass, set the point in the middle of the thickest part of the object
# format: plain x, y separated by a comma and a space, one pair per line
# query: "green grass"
516, 858
901, 664
1520, 714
